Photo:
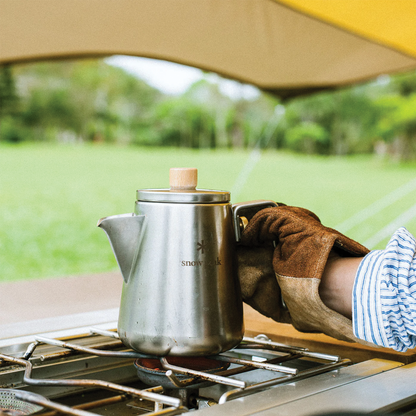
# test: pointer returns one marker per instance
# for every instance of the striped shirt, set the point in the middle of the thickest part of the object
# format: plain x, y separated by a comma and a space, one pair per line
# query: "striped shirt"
384, 294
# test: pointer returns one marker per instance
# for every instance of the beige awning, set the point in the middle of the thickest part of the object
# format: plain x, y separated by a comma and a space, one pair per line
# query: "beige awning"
284, 46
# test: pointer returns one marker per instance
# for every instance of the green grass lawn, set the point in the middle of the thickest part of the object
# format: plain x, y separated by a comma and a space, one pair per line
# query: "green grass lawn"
52, 196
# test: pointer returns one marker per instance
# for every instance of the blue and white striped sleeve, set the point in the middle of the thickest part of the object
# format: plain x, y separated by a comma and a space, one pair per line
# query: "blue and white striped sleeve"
384, 294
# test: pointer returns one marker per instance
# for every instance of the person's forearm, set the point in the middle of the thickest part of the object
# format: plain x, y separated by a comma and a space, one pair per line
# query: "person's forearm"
378, 292
337, 283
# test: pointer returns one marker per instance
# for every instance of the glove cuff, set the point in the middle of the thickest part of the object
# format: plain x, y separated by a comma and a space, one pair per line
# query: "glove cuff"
301, 294
309, 313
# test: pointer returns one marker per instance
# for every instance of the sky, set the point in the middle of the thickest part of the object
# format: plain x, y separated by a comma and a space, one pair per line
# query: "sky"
168, 77
175, 79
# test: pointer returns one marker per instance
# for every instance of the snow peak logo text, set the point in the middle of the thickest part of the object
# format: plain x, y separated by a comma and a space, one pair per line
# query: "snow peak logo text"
197, 263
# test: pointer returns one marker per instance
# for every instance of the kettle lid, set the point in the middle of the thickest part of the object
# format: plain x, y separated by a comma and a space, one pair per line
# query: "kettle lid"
183, 183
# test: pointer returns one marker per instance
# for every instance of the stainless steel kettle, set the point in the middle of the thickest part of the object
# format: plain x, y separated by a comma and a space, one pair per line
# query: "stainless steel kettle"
181, 294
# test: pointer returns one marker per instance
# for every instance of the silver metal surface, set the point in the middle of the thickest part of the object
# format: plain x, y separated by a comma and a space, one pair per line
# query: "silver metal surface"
43, 402
51, 363
261, 365
11, 404
295, 394
104, 332
203, 375
28, 379
280, 380
197, 196
53, 367
124, 233
248, 207
37, 400
263, 340
384, 393
182, 296
56, 327
94, 351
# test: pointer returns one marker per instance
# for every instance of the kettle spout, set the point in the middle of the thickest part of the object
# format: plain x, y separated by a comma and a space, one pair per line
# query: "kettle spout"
124, 232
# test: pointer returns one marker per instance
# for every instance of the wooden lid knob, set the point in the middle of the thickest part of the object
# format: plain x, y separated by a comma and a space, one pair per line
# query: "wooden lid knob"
183, 178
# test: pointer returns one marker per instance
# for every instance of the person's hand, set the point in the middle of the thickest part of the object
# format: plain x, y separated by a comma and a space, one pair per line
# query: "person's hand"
303, 246
259, 287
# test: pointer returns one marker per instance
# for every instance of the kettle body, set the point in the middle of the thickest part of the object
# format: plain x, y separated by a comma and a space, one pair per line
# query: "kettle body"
183, 296
177, 254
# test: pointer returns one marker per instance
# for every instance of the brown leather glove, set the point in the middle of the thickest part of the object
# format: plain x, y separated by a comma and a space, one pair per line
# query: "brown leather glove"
303, 245
259, 287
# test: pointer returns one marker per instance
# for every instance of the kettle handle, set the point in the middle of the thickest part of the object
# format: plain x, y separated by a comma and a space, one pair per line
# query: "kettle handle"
252, 207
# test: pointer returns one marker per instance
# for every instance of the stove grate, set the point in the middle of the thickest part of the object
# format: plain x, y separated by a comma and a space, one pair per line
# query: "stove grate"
271, 358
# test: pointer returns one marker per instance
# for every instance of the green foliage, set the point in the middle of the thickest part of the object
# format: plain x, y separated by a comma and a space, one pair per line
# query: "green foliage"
346, 116
306, 137
91, 101
203, 117
398, 115
84, 101
54, 194
184, 123
8, 95
12, 131
404, 84
396, 124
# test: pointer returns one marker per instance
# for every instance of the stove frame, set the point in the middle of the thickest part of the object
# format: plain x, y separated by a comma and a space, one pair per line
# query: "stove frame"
40, 353
86, 359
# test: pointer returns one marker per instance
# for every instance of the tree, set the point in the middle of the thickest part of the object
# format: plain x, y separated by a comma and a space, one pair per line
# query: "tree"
397, 125
346, 115
306, 138
8, 95
179, 121
85, 100
11, 129
89, 100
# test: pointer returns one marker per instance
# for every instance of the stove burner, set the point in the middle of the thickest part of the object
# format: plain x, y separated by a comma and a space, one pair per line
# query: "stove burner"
151, 370
11, 406
107, 362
